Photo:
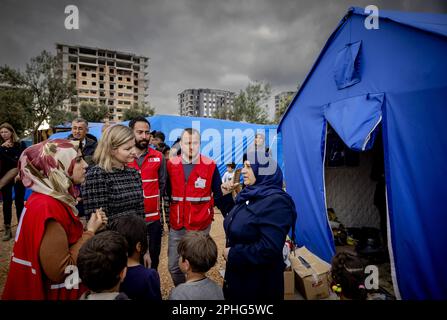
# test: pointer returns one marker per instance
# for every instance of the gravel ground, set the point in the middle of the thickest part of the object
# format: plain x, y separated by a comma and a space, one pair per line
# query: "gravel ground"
217, 233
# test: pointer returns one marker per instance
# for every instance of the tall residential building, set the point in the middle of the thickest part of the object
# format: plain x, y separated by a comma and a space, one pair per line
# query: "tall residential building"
280, 96
204, 102
104, 77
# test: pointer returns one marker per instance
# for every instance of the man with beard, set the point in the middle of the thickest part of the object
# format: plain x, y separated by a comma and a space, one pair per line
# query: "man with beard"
151, 165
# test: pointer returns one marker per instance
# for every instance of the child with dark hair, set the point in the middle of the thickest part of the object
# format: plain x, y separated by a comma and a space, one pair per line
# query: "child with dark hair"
348, 274
102, 264
158, 137
140, 283
229, 174
197, 254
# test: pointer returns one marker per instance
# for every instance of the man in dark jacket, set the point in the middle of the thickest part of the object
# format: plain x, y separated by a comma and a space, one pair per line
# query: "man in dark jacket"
88, 142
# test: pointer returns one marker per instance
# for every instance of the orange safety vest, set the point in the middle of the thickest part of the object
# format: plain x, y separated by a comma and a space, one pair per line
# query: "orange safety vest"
191, 201
149, 176
26, 280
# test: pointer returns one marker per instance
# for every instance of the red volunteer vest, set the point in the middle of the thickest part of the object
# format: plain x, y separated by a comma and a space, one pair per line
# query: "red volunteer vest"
26, 281
192, 201
149, 176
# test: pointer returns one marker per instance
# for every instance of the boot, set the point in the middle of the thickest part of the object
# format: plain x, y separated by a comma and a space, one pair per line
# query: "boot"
8, 234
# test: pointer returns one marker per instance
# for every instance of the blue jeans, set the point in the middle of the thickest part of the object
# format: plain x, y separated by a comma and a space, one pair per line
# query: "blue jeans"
174, 238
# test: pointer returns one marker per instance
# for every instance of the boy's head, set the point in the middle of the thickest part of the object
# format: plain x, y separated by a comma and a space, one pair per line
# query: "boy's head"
157, 138
197, 252
133, 228
102, 261
231, 166
348, 271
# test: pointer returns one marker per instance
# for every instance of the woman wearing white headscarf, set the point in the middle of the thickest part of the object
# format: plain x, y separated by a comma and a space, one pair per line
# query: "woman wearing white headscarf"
49, 234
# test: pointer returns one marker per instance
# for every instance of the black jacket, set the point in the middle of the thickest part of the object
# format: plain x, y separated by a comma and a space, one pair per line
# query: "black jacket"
89, 149
256, 233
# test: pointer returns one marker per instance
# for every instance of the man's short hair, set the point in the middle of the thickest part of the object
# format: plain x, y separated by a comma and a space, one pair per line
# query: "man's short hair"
81, 120
199, 249
101, 260
160, 135
138, 119
231, 165
134, 229
191, 131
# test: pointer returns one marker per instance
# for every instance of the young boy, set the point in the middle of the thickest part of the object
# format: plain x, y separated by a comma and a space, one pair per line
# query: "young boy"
228, 176
140, 283
102, 264
197, 254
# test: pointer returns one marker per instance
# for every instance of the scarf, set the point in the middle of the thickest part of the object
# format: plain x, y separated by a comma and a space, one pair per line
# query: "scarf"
47, 168
269, 180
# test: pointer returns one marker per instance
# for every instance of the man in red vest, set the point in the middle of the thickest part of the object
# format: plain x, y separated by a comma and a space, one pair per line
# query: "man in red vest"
196, 186
151, 165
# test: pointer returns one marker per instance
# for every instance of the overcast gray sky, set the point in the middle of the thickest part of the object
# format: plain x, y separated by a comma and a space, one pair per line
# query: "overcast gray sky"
191, 44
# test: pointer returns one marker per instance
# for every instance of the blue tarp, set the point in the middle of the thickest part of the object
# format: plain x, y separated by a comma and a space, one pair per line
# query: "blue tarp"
222, 140
397, 76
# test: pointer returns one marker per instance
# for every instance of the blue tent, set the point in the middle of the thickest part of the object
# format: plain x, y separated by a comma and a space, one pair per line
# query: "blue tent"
394, 76
222, 140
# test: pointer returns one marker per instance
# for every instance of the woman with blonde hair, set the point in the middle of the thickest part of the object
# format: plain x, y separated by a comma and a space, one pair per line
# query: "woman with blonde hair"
10, 150
110, 184
49, 234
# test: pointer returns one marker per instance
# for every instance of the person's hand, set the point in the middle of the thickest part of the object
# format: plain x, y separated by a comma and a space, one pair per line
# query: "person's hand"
225, 253
8, 177
97, 220
7, 144
147, 260
228, 187
17, 178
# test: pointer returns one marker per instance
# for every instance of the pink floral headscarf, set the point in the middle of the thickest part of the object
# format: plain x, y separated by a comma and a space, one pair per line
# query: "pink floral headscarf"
47, 168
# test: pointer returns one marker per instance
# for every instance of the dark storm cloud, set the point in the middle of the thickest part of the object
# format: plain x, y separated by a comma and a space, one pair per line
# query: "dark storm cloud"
191, 44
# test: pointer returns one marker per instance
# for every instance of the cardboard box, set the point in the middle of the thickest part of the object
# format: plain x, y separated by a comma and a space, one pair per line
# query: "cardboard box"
311, 277
289, 283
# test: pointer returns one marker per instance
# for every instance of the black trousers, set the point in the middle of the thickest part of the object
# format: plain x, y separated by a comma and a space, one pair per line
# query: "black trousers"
154, 232
19, 196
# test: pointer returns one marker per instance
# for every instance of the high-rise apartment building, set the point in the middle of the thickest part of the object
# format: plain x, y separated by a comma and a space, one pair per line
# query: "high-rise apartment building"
280, 96
104, 77
204, 102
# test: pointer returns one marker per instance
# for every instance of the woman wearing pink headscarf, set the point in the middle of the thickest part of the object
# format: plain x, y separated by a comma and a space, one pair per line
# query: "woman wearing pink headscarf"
49, 234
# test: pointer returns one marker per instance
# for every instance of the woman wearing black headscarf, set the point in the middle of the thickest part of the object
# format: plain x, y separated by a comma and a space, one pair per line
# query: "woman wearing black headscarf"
256, 230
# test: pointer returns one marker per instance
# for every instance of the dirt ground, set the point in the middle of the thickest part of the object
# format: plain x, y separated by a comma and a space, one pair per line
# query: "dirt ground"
217, 233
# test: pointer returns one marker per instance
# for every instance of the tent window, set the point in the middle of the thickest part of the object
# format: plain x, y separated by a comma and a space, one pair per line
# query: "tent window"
347, 66
355, 119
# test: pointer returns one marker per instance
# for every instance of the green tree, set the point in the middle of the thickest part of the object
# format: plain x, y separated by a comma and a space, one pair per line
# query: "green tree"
283, 105
256, 96
136, 110
44, 81
15, 108
249, 105
93, 112
60, 116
